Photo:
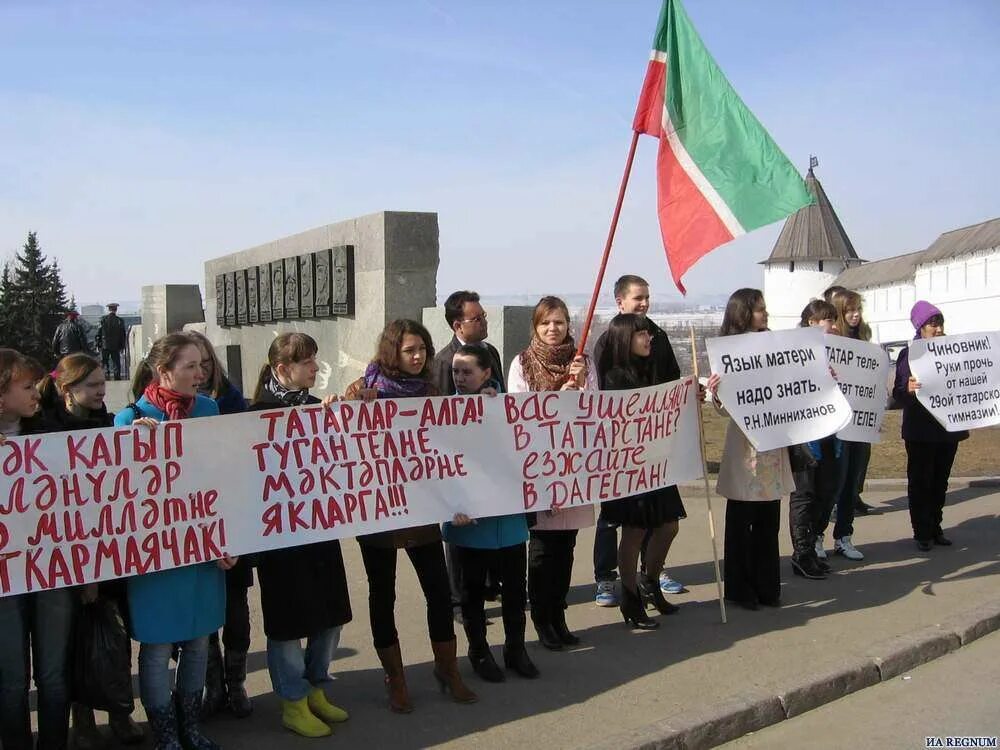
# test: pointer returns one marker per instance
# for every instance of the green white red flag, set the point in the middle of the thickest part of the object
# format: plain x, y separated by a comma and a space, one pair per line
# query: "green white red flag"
719, 173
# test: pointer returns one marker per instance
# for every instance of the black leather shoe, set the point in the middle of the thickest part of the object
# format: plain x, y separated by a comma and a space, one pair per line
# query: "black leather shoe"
769, 602
515, 657
652, 596
924, 545
808, 567
942, 541
484, 665
562, 631
824, 565
548, 636
861, 508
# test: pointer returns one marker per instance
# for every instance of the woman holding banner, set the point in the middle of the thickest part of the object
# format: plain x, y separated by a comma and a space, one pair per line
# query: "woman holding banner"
930, 448
303, 589
36, 627
72, 398
179, 606
629, 365
550, 363
753, 482
225, 679
401, 368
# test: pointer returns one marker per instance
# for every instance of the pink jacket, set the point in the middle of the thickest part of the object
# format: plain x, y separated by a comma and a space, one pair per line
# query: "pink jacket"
565, 519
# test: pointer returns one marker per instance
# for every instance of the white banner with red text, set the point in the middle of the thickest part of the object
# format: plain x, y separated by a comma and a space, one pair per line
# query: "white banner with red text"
91, 505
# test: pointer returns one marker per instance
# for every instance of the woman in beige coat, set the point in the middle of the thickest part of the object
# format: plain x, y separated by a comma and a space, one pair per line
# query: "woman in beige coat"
753, 483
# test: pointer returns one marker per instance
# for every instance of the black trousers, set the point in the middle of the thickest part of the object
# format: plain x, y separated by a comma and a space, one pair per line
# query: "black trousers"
509, 566
111, 361
801, 514
751, 549
428, 562
928, 466
236, 631
550, 568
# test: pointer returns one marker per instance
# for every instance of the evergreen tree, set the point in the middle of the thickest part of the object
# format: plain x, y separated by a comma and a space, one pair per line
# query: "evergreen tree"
33, 303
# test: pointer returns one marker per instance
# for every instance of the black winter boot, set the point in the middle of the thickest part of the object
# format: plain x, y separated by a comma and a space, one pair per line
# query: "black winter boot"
215, 686
236, 677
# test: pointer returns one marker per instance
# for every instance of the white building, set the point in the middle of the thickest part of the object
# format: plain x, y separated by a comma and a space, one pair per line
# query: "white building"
812, 250
959, 272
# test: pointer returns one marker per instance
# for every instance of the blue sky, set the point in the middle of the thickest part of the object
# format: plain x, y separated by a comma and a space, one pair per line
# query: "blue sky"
140, 139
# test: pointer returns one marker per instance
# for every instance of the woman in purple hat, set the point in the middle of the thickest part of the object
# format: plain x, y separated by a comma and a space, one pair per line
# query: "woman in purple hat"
930, 449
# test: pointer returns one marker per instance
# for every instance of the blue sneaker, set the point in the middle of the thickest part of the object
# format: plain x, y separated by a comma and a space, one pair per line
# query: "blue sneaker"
607, 596
669, 586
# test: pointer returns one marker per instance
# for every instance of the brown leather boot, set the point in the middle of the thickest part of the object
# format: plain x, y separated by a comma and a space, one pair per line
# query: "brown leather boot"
447, 674
395, 680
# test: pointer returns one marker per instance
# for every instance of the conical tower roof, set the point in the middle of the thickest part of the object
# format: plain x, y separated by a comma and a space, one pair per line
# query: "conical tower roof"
814, 232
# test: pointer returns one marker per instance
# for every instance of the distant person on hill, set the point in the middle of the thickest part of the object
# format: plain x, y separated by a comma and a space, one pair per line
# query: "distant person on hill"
632, 297
111, 342
930, 449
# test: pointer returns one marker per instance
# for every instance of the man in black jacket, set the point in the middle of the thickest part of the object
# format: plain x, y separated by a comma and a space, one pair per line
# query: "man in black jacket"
70, 337
111, 342
631, 296
468, 324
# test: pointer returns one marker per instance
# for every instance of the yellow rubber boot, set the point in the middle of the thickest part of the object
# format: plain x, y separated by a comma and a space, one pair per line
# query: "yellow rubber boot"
325, 710
297, 716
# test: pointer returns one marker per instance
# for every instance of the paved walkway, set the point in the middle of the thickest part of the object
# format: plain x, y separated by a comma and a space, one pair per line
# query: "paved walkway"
610, 690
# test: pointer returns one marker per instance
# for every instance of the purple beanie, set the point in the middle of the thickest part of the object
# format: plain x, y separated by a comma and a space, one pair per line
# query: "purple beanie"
922, 312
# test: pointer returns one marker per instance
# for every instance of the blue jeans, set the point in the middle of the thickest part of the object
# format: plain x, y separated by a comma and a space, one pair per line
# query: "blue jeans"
857, 457
154, 670
295, 670
45, 620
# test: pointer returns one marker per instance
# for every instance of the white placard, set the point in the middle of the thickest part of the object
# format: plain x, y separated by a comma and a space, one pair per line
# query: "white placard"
959, 379
777, 386
862, 370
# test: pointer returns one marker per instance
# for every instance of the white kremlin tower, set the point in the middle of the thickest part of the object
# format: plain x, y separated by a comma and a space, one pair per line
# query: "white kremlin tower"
811, 252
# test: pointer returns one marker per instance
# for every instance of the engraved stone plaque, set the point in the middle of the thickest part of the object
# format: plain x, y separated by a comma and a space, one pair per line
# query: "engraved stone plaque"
264, 283
277, 289
230, 298
322, 294
306, 286
343, 280
253, 314
291, 288
242, 316
220, 300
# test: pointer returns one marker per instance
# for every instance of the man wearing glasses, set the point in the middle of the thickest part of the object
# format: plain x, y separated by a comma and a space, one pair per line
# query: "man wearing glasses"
467, 321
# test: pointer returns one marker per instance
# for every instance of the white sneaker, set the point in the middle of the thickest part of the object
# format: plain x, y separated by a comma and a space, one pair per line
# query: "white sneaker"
844, 547
606, 594
820, 552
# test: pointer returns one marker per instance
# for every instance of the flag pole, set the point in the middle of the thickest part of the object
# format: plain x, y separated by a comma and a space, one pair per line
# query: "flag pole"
708, 492
585, 332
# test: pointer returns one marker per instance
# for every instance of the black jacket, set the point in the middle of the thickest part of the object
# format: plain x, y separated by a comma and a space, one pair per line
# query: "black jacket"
441, 375
303, 590
665, 367
111, 333
69, 339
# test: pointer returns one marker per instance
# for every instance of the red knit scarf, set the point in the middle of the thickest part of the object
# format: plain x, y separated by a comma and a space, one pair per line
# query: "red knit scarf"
175, 405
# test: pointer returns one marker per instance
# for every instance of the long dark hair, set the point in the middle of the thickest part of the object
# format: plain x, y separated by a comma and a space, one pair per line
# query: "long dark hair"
286, 349
618, 349
739, 311
817, 309
389, 343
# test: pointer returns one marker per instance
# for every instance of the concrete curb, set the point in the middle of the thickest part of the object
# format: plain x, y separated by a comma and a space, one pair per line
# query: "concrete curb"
889, 483
739, 715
